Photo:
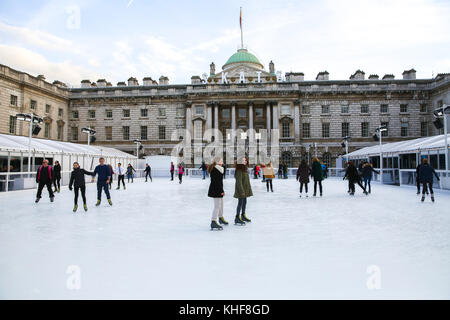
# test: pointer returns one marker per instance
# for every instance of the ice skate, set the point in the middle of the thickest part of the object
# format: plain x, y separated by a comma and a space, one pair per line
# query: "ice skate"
300, 195
238, 221
98, 203
215, 225
110, 202
85, 207
59, 190
320, 194
432, 197
223, 221
124, 188
423, 198
244, 218
117, 188
52, 199
37, 200
314, 195
75, 207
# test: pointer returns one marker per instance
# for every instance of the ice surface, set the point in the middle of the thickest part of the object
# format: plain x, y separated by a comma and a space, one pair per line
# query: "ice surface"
155, 243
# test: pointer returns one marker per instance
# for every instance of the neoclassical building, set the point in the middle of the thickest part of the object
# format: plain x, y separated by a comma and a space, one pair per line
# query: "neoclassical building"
312, 116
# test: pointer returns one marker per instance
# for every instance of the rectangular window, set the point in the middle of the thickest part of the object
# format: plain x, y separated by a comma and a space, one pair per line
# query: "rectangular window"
404, 129
144, 113
143, 132
47, 108
109, 114
13, 100
74, 133
259, 112
306, 130
364, 129
286, 130
47, 130
91, 114
423, 107
424, 129
305, 110
162, 132
180, 112
60, 112
242, 113
108, 133
199, 110
162, 112
126, 133
325, 130
226, 113
386, 132
403, 108
12, 124
126, 113
384, 108
325, 109
60, 132
345, 129
33, 104
345, 109
75, 114
285, 109
365, 108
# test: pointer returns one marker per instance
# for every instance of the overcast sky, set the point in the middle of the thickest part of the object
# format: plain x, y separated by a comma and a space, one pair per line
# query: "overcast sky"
91, 39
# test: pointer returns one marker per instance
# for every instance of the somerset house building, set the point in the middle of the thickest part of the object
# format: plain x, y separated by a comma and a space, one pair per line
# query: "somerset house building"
313, 117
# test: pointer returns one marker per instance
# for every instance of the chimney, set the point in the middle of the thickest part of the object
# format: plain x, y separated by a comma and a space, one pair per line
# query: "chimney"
196, 80
147, 81
358, 75
409, 74
294, 76
323, 75
212, 69
374, 77
132, 82
388, 77
163, 80
85, 83
101, 83
121, 84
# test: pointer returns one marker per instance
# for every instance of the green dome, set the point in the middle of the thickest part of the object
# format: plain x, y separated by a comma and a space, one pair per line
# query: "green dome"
242, 55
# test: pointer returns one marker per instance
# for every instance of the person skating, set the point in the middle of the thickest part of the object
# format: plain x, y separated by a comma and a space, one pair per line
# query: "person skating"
130, 173
366, 172
417, 178
303, 173
120, 176
112, 175
285, 171
44, 177
242, 190
224, 170
78, 183
280, 170
180, 173
204, 169
353, 177
103, 175
426, 173
172, 170
317, 174
215, 191
268, 174
148, 172
57, 176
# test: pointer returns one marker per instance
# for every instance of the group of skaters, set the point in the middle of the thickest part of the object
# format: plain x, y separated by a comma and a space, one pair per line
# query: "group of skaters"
179, 170
46, 176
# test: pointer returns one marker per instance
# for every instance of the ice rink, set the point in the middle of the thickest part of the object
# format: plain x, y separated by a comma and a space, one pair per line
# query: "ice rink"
155, 243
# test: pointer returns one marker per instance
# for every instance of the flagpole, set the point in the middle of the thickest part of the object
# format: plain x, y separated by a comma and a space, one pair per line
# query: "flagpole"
242, 35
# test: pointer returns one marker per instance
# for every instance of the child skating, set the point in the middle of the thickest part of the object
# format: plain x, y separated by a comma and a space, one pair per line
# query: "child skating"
215, 191
77, 181
242, 190
303, 173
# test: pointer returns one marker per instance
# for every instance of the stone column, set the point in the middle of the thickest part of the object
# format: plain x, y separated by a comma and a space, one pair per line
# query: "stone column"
233, 119
208, 116
188, 119
275, 115
216, 116
250, 121
297, 121
268, 126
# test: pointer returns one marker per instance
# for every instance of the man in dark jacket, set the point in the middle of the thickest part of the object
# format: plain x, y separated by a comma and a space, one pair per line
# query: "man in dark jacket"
204, 168
148, 172
57, 176
426, 173
103, 175
417, 178
353, 177
317, 174
77, 180
44, 177
366, 172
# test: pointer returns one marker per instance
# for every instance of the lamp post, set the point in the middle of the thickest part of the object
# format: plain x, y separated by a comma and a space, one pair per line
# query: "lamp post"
346, 139
89, 132
380, 130
442, 112
138, 144
32, 119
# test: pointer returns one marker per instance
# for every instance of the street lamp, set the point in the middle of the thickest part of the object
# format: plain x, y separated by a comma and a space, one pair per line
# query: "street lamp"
138, 146
90, 132
345, 145
442, 112
34, 120
378, 137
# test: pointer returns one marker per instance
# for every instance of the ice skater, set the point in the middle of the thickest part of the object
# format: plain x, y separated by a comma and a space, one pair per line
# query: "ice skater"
148, 172
78, 182
180, 173
44, 177
317, 174
215, 191
112, 175
303, 173
242, 190
426, 173
103, 175
366, 172
57, 176
172, 170
120, 176
353, 177
268, 174
130, 174
204, 169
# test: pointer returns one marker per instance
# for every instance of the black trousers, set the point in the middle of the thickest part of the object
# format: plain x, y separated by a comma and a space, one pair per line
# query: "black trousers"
303, 184
426, 186
269, 182
83, 194
57, 183
171, 175
418, 185
352, 185
180, 176
121, 178
102, 185
315, 186
242, 203
147, 174
49, 188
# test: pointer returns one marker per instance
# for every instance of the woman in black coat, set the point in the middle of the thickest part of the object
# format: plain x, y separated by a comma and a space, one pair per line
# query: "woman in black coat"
216, 172
77, 180
57, 176
353, 177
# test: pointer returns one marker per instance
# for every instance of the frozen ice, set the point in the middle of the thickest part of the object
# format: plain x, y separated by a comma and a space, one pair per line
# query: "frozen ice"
155, 243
